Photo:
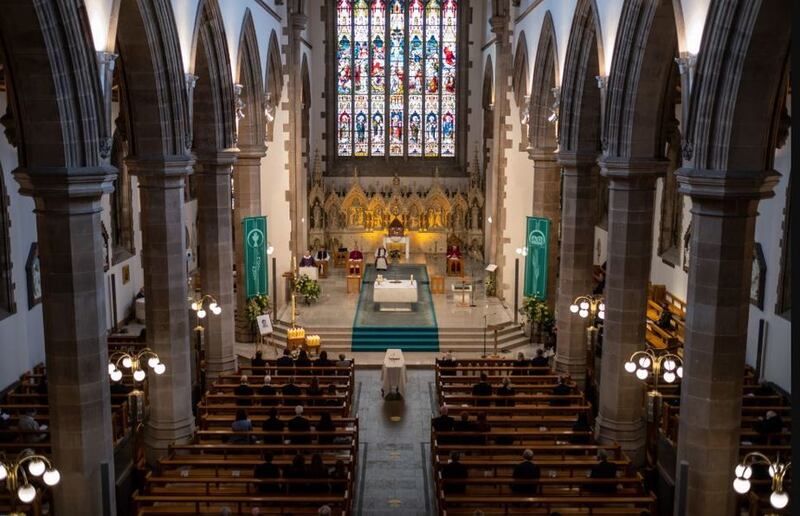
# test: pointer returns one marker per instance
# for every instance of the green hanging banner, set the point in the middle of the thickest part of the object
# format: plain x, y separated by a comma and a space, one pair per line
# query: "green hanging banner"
254, 230
537, 240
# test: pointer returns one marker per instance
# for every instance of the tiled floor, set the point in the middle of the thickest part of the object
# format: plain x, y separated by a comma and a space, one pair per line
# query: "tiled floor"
394, 457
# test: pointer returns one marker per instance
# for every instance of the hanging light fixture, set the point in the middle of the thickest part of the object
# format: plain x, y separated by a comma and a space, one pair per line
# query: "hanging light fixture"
667, 367
135, 363
592, 305
19, 475
777, 471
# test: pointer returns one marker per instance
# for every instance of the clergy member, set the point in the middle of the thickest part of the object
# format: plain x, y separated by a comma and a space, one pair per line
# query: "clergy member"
380, 259
322, 254
307, 260
453, 252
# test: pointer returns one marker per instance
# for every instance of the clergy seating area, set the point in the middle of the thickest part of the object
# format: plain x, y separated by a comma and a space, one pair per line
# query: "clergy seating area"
527, 409
297, 454
668, 335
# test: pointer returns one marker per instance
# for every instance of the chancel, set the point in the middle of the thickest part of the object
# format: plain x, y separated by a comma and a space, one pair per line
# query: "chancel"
431, 257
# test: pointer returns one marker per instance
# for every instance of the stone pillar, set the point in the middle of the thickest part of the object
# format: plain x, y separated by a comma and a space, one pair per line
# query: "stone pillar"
71, 254
720, 259
631, 194
161, 185
579, 196
298, 198
547, 204
216, 256
247, 203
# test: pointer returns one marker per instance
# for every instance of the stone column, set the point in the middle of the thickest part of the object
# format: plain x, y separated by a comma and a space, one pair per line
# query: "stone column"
216, 256
720, 259
547, 204
161, 185
246, 203
298, 198
579, 196
71, 254
631, 194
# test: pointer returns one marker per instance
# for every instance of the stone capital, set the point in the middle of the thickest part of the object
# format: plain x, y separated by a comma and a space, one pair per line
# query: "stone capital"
545, 155
66, 190
160, 172
251, 152
632, 168
574, 159
720, 185
219, 162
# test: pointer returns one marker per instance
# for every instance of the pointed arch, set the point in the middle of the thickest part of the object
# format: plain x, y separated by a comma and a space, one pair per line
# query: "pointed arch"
639, 84
214, 114
488, 84
543, 130
53, 88
519, 79
152, 89
251, 127
740, 86
580, 98
274, 80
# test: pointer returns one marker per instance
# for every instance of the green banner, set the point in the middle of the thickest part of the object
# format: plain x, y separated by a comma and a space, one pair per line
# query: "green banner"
254, 230
537, 240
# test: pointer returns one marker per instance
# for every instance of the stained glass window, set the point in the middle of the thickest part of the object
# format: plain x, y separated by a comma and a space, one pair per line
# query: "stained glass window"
396, 84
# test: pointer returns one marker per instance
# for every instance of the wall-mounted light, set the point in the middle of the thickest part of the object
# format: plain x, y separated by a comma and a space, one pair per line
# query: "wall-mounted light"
269, 108
191, 82
687, 62
105, 68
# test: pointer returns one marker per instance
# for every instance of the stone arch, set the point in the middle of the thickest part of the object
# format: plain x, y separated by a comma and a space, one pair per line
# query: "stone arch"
305, 118
152, 85
487, 101
639, 84
519, 79
579, 126
53, 88
740, 85
274, 80
252, 130
214, 114
545, 73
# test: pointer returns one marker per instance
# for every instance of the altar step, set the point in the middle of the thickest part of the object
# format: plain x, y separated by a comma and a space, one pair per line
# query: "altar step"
462, 339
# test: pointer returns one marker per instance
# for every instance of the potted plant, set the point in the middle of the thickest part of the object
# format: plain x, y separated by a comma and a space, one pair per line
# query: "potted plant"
538, 318
490, 285
394, 255
257, 305
308, 288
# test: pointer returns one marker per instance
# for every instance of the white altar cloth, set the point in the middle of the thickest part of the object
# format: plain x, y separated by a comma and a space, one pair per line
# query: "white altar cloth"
393, 372
398, 240
311, 272
395, 295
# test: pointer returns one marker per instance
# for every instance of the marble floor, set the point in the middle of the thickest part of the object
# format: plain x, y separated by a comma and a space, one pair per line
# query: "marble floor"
394, 476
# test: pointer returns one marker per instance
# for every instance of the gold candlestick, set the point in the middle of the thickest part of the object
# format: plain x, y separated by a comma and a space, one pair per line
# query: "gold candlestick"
294, 309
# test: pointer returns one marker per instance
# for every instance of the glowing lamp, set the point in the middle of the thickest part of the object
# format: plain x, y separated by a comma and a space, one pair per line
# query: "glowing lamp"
669, 377
26, 493
779, 499
630, 367
201, 313
127, 363
152, 362
116, 375
160, 368
36, 467
573, 309
51, 477
641, 374
741, 485
138, 375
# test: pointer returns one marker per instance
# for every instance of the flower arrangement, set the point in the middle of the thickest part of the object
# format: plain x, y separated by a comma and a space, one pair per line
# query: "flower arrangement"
308, 288
538, 314
490, 285
394, 254
257, 305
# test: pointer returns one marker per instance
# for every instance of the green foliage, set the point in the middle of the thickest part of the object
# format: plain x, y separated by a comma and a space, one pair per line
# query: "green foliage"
257, 305
536, 311
490, 285
308, 288
394, 254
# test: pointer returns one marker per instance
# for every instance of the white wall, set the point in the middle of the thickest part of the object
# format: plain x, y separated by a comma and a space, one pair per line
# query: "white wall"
21, 334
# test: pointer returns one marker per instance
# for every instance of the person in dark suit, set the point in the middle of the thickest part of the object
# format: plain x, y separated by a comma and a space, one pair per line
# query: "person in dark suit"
302, 361
526, 470
454, 470
506, 390
330, 401
258, 363
482, 427
268, 471
338, 472
603, 469
482, 388
325, 425
539, 361
268, 390
285, 363
581, 425
314, 392
463, 425
290, 390
321, 362
296, 471
243, 392
317, 470
273, 424
521, 365
768, 425
300, 424
443, 423
447, 361
560, 390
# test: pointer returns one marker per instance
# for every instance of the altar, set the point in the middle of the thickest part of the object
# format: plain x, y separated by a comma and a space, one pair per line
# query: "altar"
395, 295
398, 240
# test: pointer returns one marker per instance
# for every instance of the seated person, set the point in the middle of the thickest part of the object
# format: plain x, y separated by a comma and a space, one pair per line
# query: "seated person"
290, 390
258, 363
562, 389
665, 319
539, 361
769, 425
331, 391
381, 263
464, 424
447, 361
507, 390
285, 363
603, 469
342, 362
581, 425
316, 470
267, 471
302, 361
28, 423
300, 424
601, 285
356, 254
323, 361
314, 391
338, 472
243, 391
6, 435
443, 422
325, 424
481, 426
322, 255
268, 390
453, 252
241, 424
454, 470
272, 424
526, 470
482, 388
521, 365
307, 260
296, 471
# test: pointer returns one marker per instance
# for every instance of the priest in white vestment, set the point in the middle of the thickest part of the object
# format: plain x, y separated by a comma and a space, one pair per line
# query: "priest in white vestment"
381, 263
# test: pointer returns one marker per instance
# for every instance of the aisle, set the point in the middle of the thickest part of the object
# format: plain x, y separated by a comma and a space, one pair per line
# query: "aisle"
394, 455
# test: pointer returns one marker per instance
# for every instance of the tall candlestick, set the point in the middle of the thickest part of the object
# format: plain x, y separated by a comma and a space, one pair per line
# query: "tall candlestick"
294, 263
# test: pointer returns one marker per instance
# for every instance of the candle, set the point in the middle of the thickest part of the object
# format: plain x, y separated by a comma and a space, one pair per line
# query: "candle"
294, 263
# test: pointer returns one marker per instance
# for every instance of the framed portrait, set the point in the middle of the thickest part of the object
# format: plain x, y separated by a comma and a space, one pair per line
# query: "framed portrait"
758, 276
126, 274
33, 273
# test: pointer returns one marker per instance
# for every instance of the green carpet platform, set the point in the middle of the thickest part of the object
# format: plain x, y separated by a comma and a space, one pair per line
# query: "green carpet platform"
417, 330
